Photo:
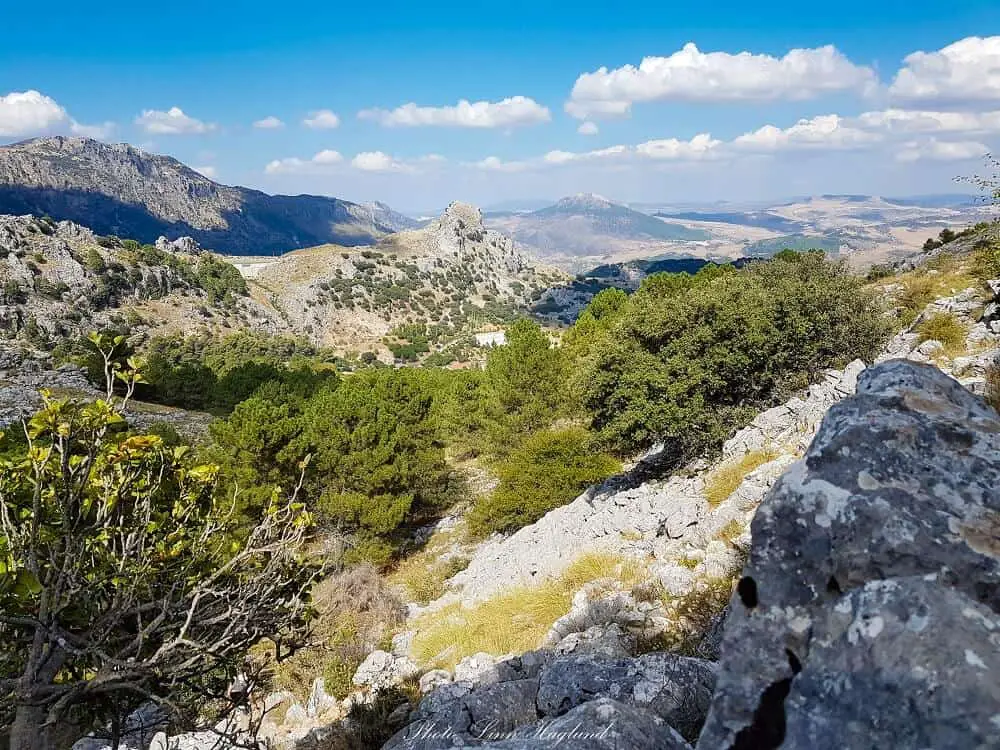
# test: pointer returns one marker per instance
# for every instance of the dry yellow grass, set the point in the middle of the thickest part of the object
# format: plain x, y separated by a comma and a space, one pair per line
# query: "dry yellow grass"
424, 574
731, 531
944, 276
946, 328
596, 565
692, 615
355, 614
516, 620
724, 480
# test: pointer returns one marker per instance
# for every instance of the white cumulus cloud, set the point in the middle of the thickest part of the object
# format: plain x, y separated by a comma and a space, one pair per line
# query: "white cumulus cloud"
695, 76
377, 161
824, 132
920, 121
566, 157
587, 128
699, 147
328, 156
100, 132
209, 171
512, 112
269, 123
933, 149
294, 165
31, 113
965, 73
496, 164
171, 122
322, 119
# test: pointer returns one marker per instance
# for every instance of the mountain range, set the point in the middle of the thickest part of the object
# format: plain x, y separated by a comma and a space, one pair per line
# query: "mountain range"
117, 189
121, 190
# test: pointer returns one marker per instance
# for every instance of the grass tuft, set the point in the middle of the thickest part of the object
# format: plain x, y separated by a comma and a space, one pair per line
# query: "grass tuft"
946, 328
424, 574
945, 275
724, 480
731, 531
691, 616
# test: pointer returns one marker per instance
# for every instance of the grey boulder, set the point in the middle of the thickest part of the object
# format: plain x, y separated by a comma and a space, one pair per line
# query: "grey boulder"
675, 688
601, 724
834, 638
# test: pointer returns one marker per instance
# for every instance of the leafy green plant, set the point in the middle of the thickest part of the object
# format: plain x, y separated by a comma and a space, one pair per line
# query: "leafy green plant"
124, 574
692, 358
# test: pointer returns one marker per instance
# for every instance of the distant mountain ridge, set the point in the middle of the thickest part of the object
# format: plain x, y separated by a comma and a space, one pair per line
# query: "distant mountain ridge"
617, 219
584, 230
122, 190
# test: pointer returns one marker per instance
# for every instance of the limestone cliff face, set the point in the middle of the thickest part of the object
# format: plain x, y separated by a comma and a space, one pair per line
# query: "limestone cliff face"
119, 189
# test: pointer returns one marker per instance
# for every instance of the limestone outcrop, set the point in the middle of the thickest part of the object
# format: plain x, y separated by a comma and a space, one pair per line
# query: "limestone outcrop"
869, 612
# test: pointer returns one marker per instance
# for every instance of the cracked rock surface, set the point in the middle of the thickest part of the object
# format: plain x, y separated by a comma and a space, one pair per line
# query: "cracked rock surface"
867, 615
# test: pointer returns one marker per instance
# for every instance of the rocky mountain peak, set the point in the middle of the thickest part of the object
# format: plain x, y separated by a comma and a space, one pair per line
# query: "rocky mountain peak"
471, 217
586, 201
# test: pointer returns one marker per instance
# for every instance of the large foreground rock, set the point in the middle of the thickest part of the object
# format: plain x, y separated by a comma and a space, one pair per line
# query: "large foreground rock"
531, 700
867, 616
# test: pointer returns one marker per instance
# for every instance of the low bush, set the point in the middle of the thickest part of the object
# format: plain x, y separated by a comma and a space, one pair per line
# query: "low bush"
356, 613
986, 261
549, 469
690, 359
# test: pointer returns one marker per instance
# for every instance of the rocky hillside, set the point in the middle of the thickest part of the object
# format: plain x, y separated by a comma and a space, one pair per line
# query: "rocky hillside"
121, 190
447, 278
873, 569
842, 548
415, 293
59, 281
23, 374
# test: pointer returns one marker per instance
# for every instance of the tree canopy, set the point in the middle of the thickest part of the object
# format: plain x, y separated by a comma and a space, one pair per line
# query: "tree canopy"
690, 358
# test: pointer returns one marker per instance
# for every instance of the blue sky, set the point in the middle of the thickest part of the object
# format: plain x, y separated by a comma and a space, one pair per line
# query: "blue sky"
686, 128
